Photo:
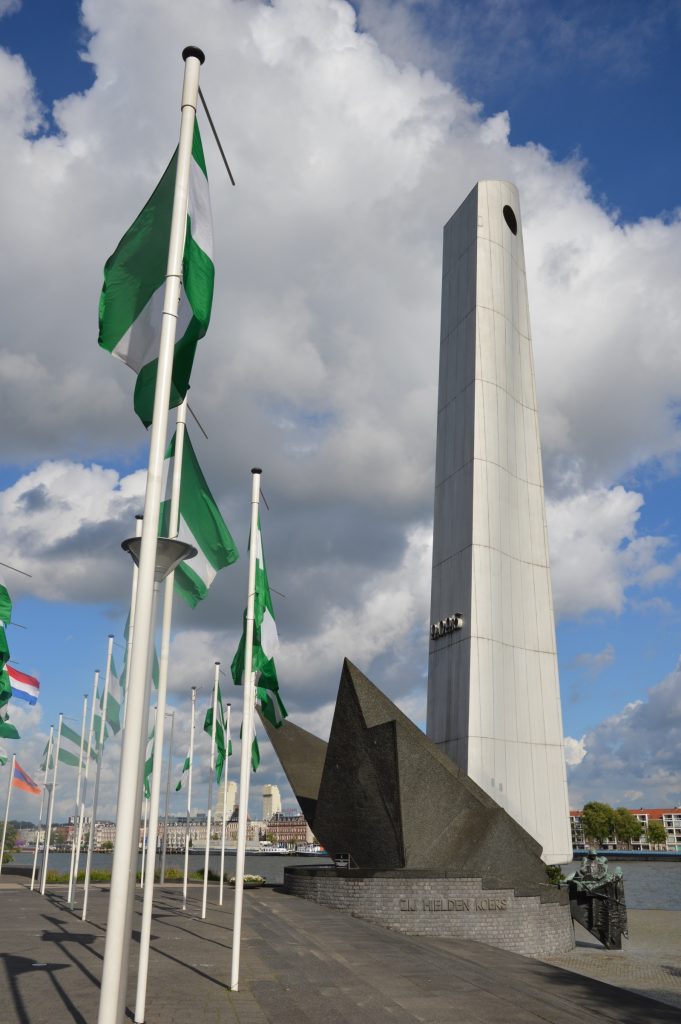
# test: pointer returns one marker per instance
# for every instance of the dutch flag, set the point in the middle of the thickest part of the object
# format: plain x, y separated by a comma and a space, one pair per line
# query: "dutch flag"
23, 686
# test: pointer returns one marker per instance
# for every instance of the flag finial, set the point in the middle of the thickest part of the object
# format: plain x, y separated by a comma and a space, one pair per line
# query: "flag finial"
193, 51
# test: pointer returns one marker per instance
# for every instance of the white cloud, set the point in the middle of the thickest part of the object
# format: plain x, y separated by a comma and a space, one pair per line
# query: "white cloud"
63, 524
636, 750
575, 750
594, 663
9, 7
321, 360
597, 553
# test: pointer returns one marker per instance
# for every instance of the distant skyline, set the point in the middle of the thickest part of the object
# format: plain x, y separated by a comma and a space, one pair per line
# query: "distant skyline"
354, 132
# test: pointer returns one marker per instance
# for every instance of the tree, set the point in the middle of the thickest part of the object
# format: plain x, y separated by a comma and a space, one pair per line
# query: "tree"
627, 826
10, 842
107, 845
598, 821
656, 833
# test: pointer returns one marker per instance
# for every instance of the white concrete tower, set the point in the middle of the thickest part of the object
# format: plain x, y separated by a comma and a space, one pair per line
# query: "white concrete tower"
493, 694
231, 800
271, 801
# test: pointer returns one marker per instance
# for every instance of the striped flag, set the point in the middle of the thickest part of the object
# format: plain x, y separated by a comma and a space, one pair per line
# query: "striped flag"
22, 780
69, 746
185, 768
131, 303
201, 524
5, 601
24, 687
265, 644
149, 763
7, 731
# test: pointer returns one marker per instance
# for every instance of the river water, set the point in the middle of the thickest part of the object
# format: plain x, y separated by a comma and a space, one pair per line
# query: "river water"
270, 866
647, 886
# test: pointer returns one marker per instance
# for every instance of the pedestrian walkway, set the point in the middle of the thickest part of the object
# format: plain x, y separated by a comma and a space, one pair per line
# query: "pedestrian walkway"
300, 964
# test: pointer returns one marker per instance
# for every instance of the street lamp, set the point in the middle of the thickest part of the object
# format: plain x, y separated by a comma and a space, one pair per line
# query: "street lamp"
169, 554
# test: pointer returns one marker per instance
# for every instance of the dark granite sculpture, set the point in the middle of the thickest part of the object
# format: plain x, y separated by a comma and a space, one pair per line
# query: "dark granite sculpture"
390, 799
597, 900
302, 757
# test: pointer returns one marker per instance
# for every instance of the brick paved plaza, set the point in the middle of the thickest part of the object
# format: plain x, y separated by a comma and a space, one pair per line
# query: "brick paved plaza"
300, 963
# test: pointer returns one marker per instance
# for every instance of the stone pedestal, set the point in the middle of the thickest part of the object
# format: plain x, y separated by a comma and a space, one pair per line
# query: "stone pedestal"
437, 904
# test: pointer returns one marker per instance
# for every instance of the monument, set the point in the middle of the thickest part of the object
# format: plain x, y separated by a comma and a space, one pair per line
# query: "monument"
417, 845
493, 696
449, 833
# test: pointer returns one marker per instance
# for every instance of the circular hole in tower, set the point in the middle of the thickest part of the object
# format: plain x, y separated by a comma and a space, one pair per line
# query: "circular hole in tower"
509, 217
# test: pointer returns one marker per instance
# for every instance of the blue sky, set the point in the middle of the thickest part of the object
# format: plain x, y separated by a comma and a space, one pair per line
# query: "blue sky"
587, 90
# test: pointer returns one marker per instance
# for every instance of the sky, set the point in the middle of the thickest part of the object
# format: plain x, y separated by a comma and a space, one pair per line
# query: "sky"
354, 132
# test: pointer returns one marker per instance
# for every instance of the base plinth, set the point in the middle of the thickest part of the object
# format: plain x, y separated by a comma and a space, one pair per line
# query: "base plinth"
427, 903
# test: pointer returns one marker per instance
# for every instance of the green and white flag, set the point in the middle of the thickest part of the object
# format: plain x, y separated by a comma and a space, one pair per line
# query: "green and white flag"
255, 749
131, 303
185, 768
201, 525
112, 719
265, 644
8, 731
43, 760
5, 687
149, 763
69, 746
4, 649
223, 743
4, 756
5, 602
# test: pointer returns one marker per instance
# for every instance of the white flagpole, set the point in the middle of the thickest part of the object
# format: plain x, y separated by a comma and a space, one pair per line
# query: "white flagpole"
131, 619
42, 804
50, 810
246, 736
144, 838
145, 932
9, 795
210, 790
134, 853
81, 815
225, 779
189, 801
98, 772
167, 801
115, 966
76, 829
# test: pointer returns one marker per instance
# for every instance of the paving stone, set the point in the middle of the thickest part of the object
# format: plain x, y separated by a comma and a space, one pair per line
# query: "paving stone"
300, 964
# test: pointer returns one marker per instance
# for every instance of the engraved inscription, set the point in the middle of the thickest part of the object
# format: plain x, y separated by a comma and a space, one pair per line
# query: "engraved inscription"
481, 904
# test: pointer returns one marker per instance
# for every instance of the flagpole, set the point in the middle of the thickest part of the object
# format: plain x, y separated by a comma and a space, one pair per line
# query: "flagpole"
131, 618
145, 819
81, 816
9, 795
246, 736
50, 810
75, 829
100, 758
224, 805
134, 852
165, 815
42, 805
189, 801
115, 966
166, 621
210, 790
